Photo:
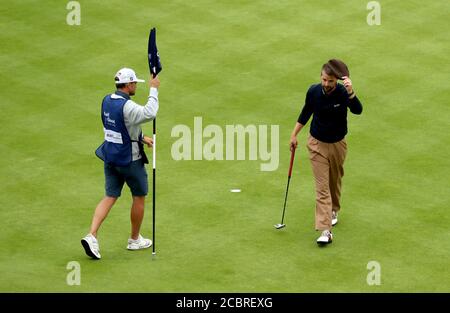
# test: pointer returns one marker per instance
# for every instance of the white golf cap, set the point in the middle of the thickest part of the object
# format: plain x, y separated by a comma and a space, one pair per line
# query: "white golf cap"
126, 75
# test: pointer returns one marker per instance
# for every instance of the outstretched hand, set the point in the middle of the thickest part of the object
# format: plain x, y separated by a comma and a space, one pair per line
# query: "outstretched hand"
154, 82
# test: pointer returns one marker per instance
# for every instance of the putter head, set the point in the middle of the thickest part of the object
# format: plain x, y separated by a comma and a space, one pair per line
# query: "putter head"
279, 226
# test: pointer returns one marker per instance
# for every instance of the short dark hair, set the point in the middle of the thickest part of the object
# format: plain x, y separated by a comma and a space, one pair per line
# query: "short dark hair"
328, 70
336, 67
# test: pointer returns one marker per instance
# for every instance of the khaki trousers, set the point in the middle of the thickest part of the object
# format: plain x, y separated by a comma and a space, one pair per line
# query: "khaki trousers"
327, 161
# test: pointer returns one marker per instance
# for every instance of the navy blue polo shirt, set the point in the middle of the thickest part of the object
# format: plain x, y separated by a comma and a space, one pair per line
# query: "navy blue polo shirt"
329, 123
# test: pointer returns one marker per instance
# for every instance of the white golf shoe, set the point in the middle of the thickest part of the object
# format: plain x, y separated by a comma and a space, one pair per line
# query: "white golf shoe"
334, 218
140, 243
91, 247
325, 238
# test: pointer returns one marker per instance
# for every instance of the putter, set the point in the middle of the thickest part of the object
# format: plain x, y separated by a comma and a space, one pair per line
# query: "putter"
282, 225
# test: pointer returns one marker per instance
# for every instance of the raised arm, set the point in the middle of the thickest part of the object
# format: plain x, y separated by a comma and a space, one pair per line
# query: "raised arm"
353, 102
136, 114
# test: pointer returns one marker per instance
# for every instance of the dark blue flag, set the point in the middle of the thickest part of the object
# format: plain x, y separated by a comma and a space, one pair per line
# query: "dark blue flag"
153, 55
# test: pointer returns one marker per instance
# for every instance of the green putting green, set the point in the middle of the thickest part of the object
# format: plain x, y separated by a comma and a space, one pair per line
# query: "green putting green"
229, 62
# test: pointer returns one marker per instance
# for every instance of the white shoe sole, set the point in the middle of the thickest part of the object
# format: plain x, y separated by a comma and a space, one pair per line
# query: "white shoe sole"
324, 241
88, 250
131, 247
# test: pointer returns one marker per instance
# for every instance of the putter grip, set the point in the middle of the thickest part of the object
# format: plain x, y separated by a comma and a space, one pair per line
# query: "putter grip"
291, 163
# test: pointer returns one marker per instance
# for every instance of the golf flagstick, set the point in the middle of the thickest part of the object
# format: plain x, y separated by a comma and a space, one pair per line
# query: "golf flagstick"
282, 225
155, 67
154, 185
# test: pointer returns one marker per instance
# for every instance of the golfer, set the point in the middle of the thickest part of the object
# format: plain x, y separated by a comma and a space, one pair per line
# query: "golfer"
124, 157
328, 102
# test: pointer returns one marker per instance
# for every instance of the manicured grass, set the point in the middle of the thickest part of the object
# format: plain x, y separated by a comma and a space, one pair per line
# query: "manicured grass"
230, 62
